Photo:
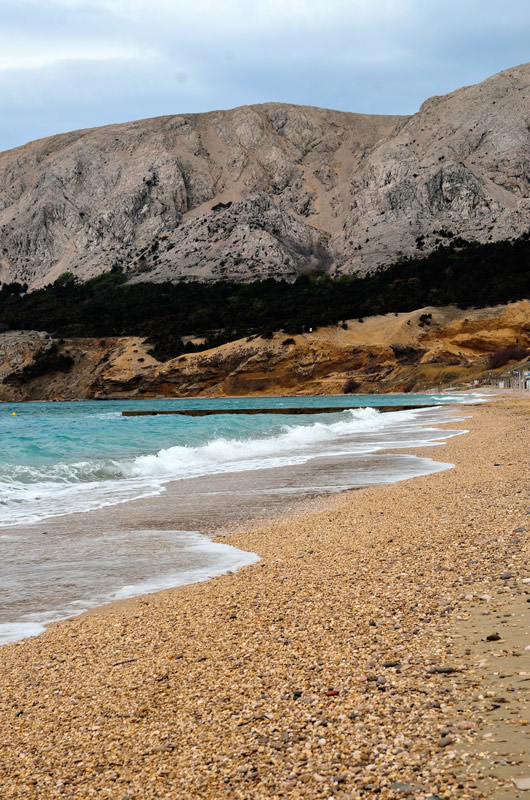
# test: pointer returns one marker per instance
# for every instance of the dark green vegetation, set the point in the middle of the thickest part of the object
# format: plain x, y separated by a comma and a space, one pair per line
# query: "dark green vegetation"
515, 352
460, 273
47, 361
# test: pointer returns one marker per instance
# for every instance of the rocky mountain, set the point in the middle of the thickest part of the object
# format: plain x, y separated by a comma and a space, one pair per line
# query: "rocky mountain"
415, 351
268, 190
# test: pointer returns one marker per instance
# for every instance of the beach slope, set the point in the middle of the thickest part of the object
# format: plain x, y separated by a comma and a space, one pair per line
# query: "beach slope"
351, 661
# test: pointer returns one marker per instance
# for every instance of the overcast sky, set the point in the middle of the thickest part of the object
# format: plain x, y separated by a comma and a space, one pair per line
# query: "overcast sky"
68, 64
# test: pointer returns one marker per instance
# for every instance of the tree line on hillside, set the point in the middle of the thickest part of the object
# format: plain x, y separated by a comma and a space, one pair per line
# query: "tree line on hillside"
460, 273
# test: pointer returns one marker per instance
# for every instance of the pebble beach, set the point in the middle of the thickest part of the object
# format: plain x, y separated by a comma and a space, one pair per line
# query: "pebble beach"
377, 649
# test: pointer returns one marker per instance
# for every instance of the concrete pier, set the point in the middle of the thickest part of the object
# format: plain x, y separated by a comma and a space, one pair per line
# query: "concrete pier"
205, 412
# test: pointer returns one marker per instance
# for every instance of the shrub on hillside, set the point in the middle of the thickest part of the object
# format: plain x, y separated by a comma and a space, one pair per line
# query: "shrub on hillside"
514, 352
44, 363
351, 386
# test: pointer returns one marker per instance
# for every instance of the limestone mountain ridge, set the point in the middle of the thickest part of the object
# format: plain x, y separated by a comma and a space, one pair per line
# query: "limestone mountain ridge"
272, 190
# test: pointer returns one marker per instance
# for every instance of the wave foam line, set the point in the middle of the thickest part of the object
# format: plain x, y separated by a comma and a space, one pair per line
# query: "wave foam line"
235, 454
30, 494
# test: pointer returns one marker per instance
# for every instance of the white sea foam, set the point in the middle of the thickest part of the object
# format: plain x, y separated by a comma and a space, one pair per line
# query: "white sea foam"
194, 558
33, 493
22, 505
222, 558
292, 444
13, 631
88, 569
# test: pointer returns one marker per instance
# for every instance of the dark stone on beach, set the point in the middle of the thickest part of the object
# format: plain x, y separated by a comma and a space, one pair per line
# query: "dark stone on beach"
506, 575
372, 624
381, 680
201, 658
493, 637
519, 530
296, 695
446, 740
388, 664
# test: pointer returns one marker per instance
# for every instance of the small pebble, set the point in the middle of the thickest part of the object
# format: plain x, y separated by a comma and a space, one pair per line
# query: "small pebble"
466, 725
522, 783
441, 670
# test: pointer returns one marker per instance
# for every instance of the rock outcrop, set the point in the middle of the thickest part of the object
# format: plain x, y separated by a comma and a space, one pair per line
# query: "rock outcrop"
268, 190
424, 349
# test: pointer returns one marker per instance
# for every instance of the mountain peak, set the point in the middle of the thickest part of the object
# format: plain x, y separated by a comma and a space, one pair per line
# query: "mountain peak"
268, 190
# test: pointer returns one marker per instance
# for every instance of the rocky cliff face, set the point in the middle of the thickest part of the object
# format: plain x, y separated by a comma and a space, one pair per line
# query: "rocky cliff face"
424, 349
268, 190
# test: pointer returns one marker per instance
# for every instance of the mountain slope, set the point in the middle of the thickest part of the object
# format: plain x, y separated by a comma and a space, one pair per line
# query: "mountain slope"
270, 190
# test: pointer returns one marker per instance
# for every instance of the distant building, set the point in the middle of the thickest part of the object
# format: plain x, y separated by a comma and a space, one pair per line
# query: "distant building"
515, 378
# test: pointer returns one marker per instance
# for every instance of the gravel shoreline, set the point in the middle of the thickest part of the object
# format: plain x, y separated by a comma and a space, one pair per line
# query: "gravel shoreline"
344, 664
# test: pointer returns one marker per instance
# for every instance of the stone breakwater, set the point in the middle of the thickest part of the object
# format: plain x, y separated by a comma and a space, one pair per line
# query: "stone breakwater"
352, 661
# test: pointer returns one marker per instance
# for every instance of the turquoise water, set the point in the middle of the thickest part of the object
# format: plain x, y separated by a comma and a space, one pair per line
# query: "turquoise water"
56, 458
51, 433
95, 506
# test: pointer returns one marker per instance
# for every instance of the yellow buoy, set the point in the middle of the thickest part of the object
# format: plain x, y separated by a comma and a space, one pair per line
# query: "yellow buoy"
14, 414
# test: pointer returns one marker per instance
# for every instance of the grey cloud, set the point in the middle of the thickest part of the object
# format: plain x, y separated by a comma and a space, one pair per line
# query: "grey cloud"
348, 58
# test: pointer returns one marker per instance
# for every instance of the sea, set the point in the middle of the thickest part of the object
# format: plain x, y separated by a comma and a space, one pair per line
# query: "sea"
97, 507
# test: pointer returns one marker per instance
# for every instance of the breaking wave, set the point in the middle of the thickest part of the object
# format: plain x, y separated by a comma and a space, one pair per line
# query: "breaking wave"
29, 493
